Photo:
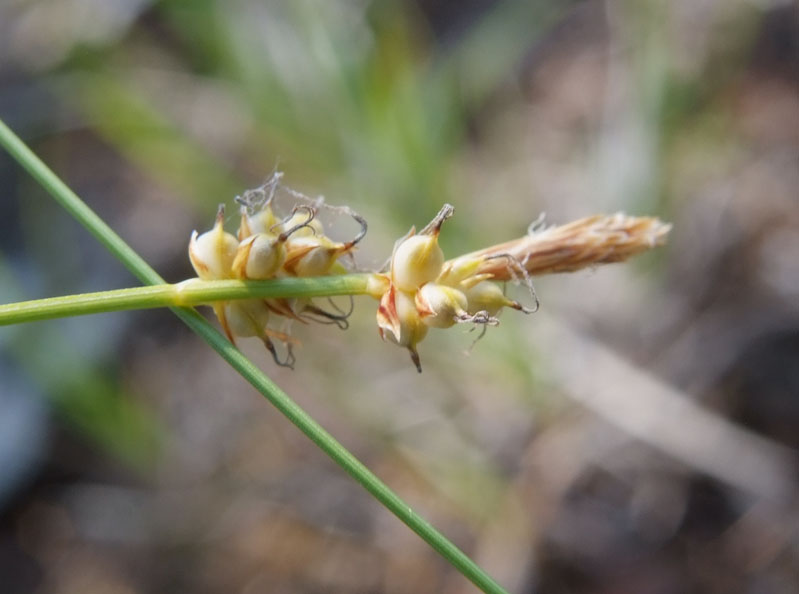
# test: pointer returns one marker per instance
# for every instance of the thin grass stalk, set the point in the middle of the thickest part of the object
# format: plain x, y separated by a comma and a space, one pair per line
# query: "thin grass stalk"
139, 267
184, 294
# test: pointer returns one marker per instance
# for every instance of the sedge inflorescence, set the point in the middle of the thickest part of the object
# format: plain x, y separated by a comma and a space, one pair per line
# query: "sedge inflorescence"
268, 247
418, 290
423, 290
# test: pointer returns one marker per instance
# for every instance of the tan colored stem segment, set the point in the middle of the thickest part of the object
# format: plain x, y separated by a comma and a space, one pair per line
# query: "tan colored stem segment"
599, 239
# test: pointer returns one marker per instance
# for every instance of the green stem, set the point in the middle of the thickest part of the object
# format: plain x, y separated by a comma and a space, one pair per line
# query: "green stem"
190, 292
69, 200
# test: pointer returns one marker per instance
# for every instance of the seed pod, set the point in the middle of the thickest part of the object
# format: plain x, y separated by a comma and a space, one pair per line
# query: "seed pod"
259, 257
314, 254
213, 252
311, 256
488, 297
440, 306
247, 317
250, 317
462, 273
399, 321
261, 222
418, 259
262, 255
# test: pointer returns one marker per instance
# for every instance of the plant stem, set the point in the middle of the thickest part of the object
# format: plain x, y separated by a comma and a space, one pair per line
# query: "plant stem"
188, 293
72, 203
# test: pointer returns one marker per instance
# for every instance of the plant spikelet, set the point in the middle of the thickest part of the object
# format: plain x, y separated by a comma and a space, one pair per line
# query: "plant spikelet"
419, 290
599, 239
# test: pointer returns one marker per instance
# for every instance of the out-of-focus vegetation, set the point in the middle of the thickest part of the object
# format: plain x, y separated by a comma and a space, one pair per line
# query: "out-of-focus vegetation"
639, 434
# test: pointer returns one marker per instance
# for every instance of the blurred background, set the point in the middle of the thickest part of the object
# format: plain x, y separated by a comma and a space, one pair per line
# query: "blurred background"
639, 434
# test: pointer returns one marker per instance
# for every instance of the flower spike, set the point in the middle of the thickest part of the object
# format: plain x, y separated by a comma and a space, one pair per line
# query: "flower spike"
417, 289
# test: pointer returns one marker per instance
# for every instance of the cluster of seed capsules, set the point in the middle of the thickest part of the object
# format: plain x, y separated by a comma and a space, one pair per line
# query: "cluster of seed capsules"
424, 291
419, 290
267, 247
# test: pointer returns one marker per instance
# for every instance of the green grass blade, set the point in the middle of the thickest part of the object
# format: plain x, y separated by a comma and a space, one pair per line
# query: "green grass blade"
72, 203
